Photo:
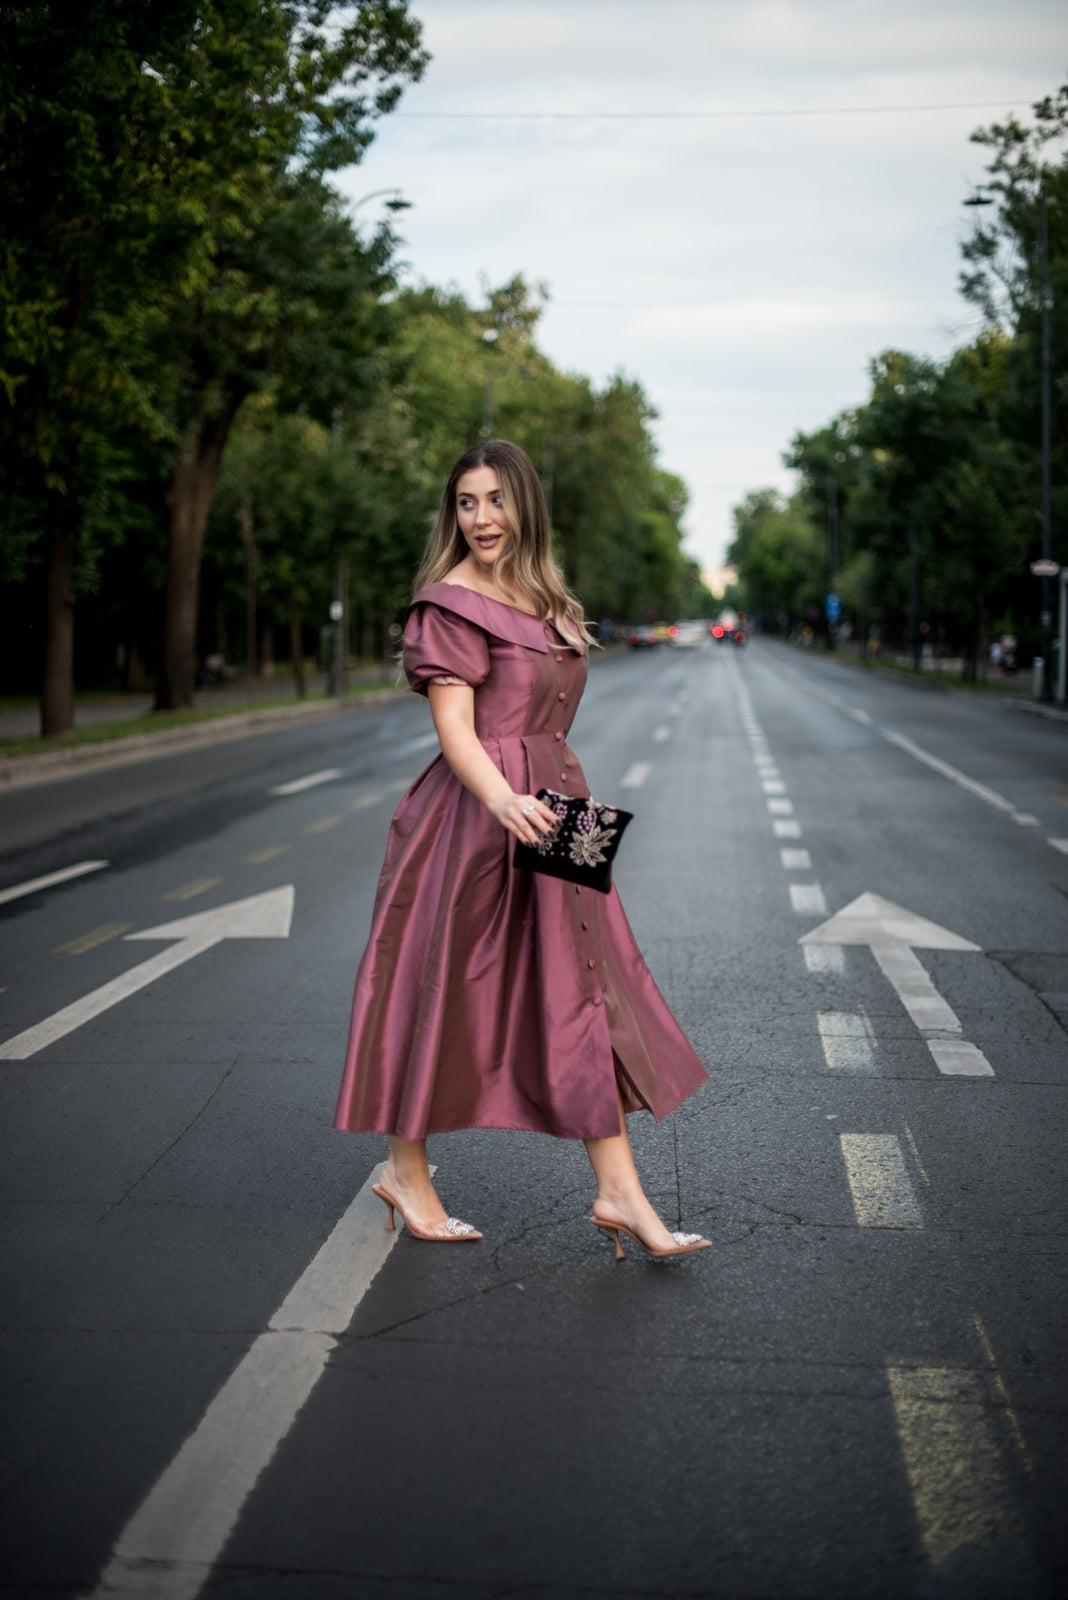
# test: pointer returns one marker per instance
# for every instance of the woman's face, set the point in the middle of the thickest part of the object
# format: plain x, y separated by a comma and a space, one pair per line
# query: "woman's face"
481, 516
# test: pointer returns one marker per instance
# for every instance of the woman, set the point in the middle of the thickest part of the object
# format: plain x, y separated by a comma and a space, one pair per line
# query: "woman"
490, 997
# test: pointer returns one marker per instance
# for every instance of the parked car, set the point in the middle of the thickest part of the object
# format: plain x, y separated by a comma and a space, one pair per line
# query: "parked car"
643, 637
686, 635
728, 628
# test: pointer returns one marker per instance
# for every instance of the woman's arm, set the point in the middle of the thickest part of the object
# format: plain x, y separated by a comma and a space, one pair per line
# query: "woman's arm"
453, 709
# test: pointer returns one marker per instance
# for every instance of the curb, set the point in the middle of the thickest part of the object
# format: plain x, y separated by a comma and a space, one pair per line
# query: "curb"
51, 766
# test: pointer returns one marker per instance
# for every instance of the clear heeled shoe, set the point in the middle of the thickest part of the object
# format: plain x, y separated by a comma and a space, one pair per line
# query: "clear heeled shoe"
453, 1230
685, 1243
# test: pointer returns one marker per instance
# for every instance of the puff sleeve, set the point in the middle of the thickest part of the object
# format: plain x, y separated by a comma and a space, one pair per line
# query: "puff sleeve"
440, 646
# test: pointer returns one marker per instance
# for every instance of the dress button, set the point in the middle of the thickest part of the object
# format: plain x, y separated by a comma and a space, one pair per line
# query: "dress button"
558, 658
561, 695
596, 999
559, 738
591, 964
585, 927
576, 888
563, 777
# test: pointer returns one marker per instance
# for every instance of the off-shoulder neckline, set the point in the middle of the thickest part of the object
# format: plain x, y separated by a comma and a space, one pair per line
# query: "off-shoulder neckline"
443, 583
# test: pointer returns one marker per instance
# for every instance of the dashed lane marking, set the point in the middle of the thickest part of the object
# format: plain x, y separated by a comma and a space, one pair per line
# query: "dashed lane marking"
807, 899
878, 1178
660, 734
189, 891
824, 957
956, 1058
787, 829
310, 781
89, 941
781, 808
960, 1493
169, 1545
323, 825
636, 775
366, 801
773, 786
795, 860
64, 875
258, 857
846, 1042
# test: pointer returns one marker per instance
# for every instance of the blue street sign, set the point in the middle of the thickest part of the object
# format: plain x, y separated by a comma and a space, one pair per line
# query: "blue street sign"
833, 607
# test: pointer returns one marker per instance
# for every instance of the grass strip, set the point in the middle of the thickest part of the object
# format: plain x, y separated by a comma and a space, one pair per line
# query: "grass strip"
161, 721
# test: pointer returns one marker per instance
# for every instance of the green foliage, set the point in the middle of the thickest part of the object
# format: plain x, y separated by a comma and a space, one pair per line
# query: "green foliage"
940, 466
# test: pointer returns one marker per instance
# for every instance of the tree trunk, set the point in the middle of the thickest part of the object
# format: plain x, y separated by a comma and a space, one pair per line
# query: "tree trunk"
296, 648
189, 496
57, 687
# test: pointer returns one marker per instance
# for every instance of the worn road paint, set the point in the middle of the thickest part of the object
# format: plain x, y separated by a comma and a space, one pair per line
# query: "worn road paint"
323, 825
950, 1449
846, 1042
878, 1178
89, 941
189, 891
258, 857
956, 1058
795, 860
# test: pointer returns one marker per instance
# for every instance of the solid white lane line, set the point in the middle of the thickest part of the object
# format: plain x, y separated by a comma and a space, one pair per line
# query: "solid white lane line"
313, 779
807, 899
846, 1042
858, 715
796, 860
954, 774
660, 734
167, 1549
17, 890
636, 775
883, 1196
1026, 820
787, 829
915, 990
1059, 844
824, 957
956, 1058
781, 808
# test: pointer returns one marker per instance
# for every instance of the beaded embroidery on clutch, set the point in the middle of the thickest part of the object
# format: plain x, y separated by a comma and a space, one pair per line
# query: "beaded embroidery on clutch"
584, 845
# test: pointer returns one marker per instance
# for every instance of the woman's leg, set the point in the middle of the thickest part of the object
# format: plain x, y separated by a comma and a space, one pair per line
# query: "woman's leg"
620, 1196
407, 1177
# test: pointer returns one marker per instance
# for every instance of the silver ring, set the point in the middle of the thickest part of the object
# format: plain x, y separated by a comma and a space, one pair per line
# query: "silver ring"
526, 811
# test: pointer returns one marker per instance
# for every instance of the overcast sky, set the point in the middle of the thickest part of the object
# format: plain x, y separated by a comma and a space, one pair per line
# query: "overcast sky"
744, 268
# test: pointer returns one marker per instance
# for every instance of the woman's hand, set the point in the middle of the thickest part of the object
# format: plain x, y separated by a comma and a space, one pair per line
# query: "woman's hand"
524, 815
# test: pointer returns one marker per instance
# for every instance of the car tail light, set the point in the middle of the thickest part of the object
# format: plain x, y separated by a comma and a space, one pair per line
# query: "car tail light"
717, 633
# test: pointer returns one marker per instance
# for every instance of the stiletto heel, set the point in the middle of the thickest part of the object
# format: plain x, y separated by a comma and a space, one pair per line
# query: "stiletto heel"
455, 1231
685, 1243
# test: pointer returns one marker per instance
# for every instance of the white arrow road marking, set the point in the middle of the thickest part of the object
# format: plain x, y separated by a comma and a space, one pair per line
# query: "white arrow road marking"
167, 1549
261, 916
312, 781
891, 932
19, 889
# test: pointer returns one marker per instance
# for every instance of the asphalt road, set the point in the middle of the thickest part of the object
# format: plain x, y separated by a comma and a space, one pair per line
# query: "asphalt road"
219, 1378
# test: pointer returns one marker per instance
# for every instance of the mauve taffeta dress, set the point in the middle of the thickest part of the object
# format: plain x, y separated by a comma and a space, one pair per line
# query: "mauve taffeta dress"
489, 997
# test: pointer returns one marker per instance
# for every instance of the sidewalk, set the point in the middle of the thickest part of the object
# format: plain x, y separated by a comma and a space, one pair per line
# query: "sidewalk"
24, 721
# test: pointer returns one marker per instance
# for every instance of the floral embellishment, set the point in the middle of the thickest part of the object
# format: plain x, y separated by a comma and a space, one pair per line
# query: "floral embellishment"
587, 849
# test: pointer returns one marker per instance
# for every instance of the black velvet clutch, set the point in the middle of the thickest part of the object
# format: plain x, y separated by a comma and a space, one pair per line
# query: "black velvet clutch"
584, 845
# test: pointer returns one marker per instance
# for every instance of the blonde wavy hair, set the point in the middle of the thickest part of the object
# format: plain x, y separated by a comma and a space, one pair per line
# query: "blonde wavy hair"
526, 566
